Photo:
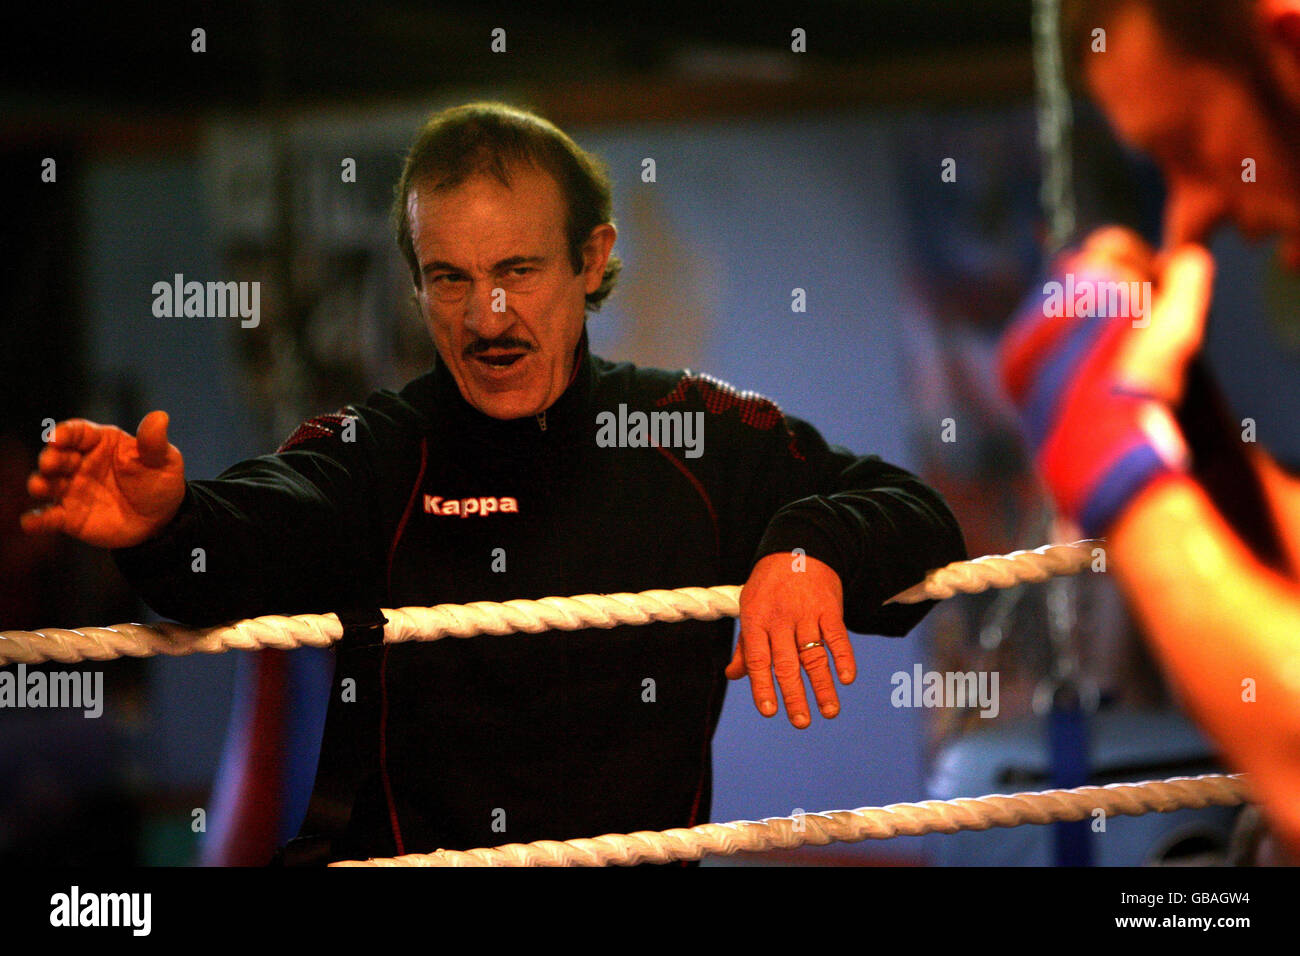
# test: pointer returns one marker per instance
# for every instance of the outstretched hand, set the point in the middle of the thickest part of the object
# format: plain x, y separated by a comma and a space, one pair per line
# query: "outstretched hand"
107, 487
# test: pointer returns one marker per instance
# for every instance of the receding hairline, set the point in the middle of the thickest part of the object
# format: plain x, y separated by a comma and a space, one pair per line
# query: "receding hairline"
514, 168
524, 168
495, 139
501, 171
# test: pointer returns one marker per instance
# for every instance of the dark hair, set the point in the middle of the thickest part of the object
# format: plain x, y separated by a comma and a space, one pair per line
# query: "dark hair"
1218, 31
492, 138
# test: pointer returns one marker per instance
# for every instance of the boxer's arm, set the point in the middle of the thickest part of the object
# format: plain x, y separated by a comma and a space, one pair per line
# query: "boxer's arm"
1226, 628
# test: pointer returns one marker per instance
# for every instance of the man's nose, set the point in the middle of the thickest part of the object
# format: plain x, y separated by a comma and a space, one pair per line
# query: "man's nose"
1193, 207
486, 311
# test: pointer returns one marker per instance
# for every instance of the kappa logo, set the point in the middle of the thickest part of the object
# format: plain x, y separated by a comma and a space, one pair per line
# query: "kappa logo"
468, 507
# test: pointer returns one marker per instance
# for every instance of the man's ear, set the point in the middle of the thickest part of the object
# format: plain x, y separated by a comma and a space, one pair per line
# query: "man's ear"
595, 254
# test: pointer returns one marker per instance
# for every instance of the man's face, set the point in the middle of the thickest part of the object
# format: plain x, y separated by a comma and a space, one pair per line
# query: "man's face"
499, 293
1199, 122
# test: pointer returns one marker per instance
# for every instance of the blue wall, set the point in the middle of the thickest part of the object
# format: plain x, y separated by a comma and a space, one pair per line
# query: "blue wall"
757, 210
145, 221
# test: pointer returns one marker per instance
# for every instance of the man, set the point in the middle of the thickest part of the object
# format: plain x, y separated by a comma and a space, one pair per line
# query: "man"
1204, 529
498, 475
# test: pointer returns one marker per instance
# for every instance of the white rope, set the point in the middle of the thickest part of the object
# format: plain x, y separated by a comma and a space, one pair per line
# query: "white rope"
485, 617
850, 826
404, 624
1003, 571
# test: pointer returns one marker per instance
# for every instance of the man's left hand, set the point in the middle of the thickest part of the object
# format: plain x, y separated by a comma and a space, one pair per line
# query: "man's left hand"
791, 620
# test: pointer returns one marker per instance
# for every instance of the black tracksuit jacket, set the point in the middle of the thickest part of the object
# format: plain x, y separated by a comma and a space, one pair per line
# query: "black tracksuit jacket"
472, 742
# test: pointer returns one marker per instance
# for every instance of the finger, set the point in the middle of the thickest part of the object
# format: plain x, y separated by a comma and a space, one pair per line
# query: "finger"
1186, 288
816, 661
1156, 361
736, 669
836, 636
151, 439
1123, 247
789, 675
77, 433
39, 486
53, 462
43, 522
758, 663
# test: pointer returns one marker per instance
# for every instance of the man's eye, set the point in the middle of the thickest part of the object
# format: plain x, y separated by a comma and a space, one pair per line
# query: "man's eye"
522, 270
443, 278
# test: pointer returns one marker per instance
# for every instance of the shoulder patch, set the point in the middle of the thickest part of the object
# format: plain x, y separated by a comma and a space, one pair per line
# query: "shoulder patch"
322, 426
755, 410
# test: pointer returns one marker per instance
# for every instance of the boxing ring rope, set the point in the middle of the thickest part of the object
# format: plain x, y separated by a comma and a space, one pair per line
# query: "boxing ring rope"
611, 610
850, 826
275, 632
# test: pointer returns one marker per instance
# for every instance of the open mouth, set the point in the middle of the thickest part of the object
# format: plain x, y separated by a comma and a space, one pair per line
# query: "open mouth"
499, 359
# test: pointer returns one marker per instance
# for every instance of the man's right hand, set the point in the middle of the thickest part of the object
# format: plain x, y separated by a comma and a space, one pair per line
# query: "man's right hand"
106, 487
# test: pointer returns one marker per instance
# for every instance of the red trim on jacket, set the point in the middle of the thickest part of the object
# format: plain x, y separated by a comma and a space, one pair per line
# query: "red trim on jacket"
700, 489
755, 410
383, 665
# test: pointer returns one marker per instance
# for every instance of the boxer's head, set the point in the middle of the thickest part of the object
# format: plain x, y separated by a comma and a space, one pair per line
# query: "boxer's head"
1202, 89
505, 226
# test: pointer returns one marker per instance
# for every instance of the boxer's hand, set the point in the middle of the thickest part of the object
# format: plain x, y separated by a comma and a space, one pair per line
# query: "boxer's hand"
1096, 391
106, 487
1154, 359
781, 611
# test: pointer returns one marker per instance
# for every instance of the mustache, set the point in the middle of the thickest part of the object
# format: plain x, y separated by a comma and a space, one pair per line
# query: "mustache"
504, 343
